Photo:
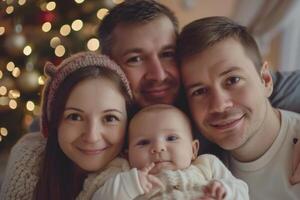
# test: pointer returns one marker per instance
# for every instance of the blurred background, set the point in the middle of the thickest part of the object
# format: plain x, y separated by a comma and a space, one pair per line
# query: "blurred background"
35, 31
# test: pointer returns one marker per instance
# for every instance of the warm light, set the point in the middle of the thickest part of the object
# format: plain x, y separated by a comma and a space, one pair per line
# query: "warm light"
79, 1
30, 105
4, 101
3, 90
60, 50
2, 30
41, 80
21, 2
14, 94
93, 44
3, 131
12, 104
50, 5
54, 42
65, 30
46, 27
16, 72
101, 13
43, 6
10, 66
9, 9
27, 50
1, 74
117, 1
77, 25
37, 110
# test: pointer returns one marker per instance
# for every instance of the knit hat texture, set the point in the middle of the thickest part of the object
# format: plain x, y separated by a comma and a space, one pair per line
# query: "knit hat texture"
57, 74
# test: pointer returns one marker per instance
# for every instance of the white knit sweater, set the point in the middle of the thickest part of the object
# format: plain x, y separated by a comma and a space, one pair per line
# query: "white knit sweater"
23, 168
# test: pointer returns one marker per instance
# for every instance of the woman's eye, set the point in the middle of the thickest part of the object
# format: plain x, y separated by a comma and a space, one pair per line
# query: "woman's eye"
172, 138
143, 142
232, 80
74, 117
111, 118
199, 91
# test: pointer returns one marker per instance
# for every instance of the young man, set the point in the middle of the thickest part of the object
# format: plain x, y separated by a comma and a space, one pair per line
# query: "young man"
227, 86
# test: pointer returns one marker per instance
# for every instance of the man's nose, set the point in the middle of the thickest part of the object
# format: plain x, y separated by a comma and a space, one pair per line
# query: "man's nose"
220, 101
156, 70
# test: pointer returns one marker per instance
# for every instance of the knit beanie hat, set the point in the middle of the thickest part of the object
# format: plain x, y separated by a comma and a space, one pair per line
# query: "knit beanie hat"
57, 74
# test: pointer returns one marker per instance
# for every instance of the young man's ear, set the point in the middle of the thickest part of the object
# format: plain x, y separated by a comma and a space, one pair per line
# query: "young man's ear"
195, 147
266, 77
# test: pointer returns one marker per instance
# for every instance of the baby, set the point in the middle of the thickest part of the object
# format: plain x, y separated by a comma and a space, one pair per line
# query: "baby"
163, 159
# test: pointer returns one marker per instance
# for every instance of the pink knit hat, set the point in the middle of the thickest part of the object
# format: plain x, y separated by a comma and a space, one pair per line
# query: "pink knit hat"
57, 74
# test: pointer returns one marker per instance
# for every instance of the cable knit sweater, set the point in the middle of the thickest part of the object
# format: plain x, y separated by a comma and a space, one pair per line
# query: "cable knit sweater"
180, 184
23, 168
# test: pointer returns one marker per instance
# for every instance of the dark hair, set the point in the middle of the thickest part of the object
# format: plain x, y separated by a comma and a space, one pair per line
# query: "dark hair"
131, 12
61, 178
206, 32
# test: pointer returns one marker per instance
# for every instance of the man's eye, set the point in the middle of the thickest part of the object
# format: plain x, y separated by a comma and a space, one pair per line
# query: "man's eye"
199, 91
232, 80
74, 117
172, 138
134, 59
168, 54
143, 142
111, 118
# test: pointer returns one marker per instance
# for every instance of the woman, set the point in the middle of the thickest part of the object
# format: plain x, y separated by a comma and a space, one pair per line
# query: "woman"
84, 117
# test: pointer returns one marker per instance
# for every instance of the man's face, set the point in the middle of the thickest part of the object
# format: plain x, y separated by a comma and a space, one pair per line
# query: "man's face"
146, 54
226, 95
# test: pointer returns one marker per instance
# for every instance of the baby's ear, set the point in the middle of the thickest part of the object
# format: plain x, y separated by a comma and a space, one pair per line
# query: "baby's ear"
195, 147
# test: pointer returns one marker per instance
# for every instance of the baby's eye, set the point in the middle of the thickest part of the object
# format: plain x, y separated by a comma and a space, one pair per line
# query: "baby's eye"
111, 118
171, 138
143, 142
74, 117
232, 80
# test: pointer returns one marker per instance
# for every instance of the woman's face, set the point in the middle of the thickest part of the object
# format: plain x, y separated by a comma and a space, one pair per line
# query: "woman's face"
91, 131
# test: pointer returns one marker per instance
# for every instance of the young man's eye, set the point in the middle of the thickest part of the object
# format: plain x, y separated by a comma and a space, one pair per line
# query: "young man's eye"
143, 142
168, 54
74, 117
111, 118
232, 80
134, 59
199, 91
172, 138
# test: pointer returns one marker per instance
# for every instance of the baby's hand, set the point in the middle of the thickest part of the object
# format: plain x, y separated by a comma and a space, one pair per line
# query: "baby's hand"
295, 178
214, 191
148, 181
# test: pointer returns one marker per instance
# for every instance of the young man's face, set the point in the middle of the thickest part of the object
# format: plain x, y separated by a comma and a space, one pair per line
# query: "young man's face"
226, 95
162, 137
146, 54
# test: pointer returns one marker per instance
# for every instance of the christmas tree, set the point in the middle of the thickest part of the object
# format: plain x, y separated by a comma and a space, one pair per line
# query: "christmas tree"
31, 33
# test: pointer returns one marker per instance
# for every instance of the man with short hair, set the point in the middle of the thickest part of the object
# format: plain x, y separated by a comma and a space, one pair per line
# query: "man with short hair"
227, 85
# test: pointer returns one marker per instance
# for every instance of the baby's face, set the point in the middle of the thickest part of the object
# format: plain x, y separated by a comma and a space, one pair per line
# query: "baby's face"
162, 137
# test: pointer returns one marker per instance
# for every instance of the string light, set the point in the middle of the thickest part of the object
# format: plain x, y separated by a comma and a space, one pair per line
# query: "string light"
10, 9
77, 25
1, 74
101, 13
59, 50
27, 50
16, 72
30, 106
2, 30
3, 90
14, 94
10, 66
21, 2
79, 1
50, 5
3, 131
4, 101
54, 42
13, 104
117, 1
41, 80
93, 44
46, 27
65, 30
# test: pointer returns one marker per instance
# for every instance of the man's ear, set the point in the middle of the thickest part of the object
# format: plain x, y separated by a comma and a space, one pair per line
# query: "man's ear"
195, 147
266, 77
